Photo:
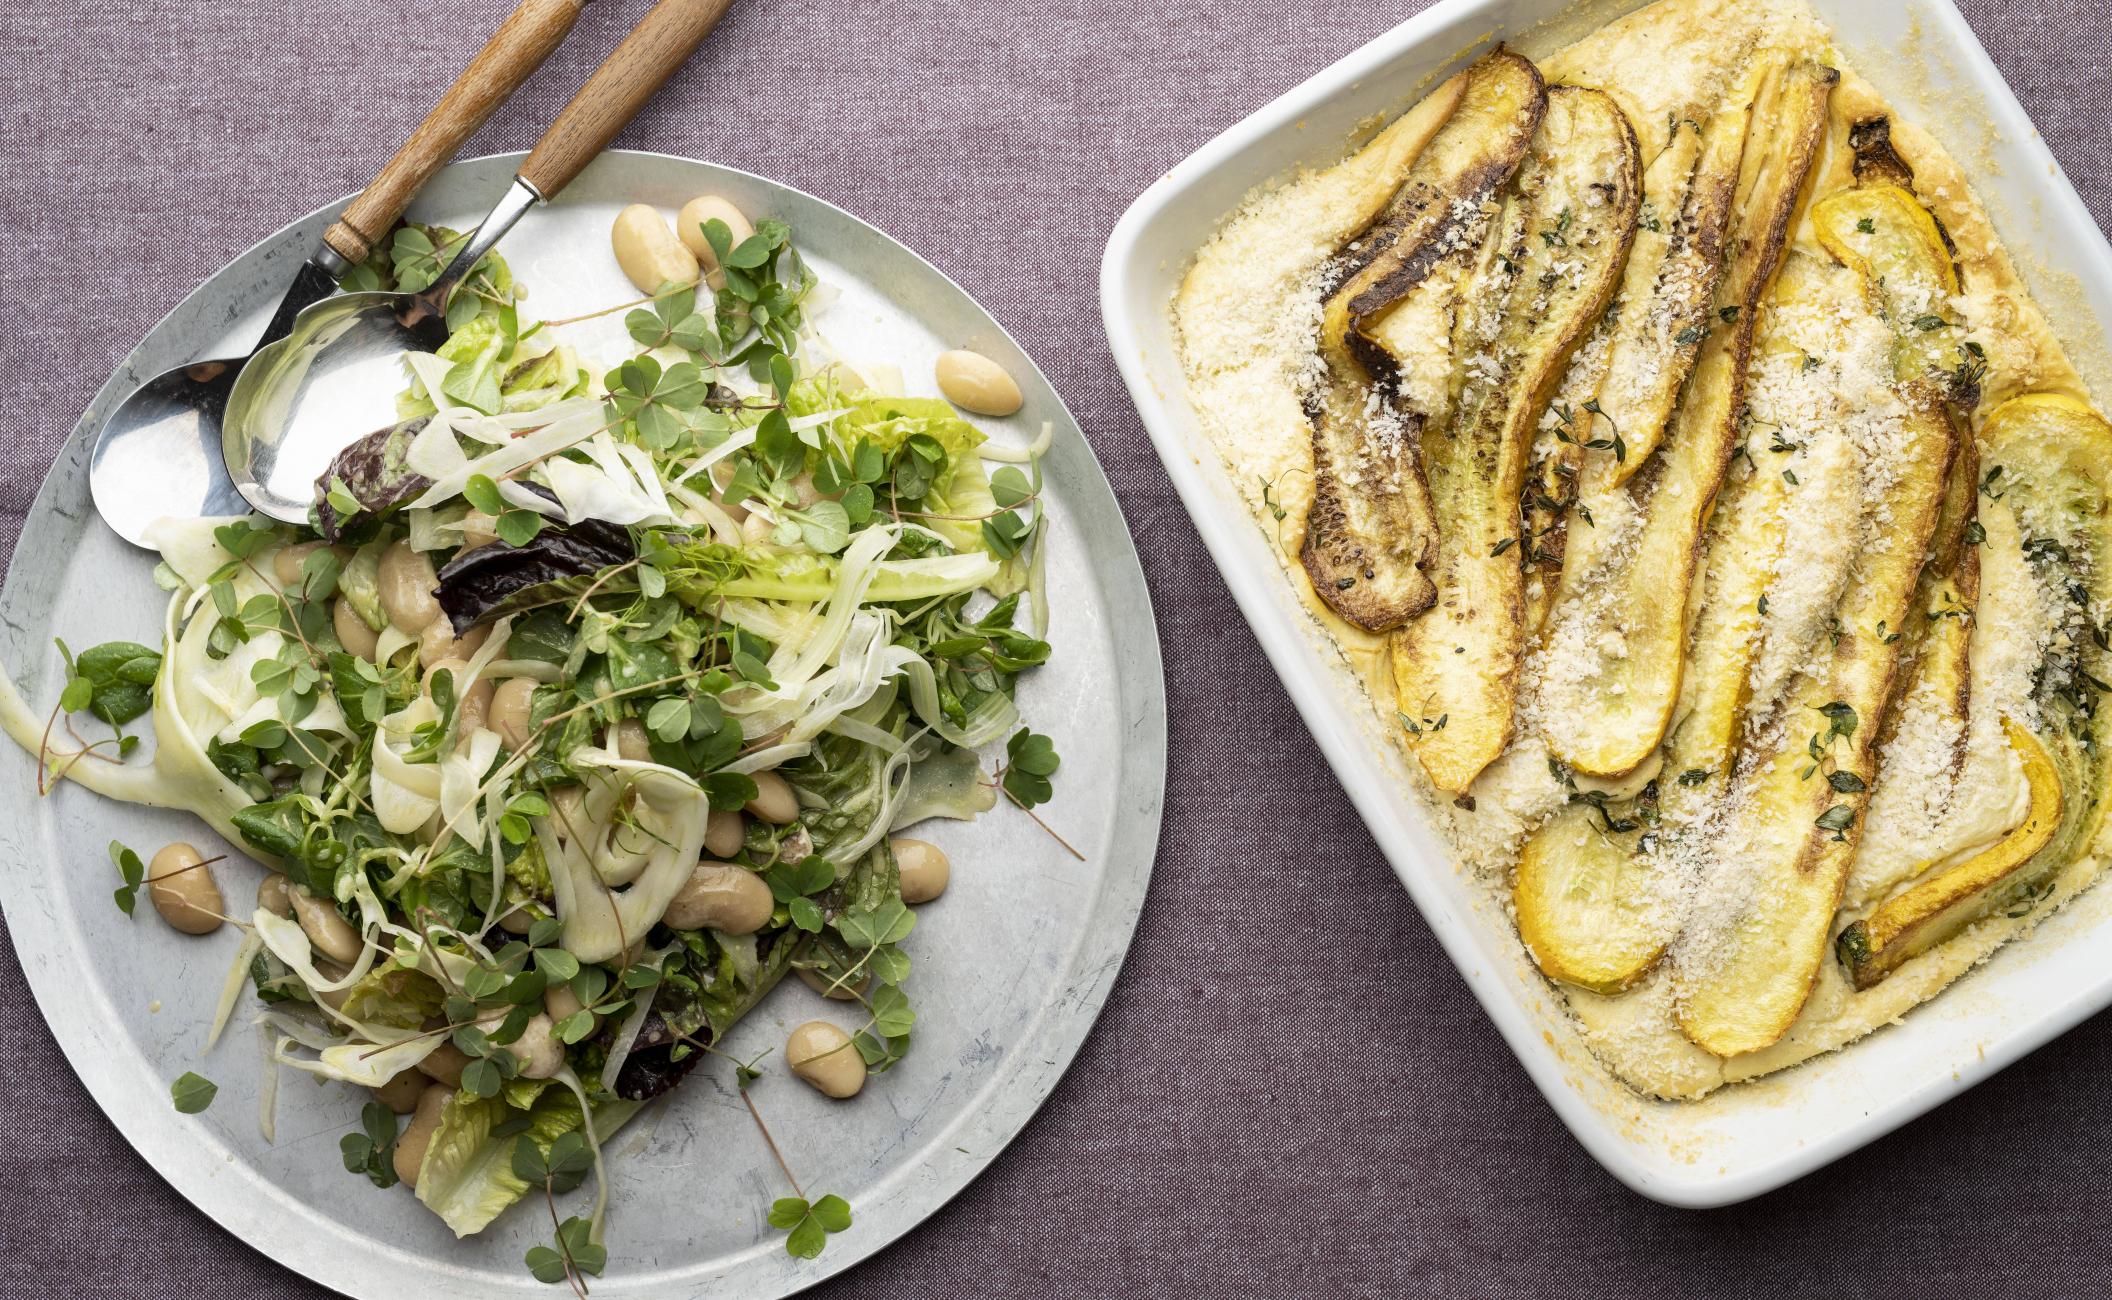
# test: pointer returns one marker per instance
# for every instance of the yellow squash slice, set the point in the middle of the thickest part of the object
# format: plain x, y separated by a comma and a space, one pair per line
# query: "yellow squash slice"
1940, 906
1935, 653
1370, 533
1613, 714
1782, 858
1554, 260
2049, 462
1593, 904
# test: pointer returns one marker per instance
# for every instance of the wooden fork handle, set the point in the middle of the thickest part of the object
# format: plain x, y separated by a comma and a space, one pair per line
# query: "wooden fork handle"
528, 36
661, 42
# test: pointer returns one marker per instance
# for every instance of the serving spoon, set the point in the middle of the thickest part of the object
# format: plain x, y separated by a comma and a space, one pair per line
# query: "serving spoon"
158, 453
333, 379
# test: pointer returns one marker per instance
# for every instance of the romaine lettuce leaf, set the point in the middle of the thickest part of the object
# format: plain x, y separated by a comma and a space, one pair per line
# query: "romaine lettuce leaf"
400, 999
467, 1175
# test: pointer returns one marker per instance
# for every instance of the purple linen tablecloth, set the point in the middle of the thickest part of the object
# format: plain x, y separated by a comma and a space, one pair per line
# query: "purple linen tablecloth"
1291, 1091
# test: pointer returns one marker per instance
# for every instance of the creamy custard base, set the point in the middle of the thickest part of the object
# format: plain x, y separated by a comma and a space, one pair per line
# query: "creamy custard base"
1248, 319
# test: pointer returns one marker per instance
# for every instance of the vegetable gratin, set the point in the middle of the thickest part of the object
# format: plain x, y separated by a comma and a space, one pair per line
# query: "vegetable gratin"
1665, 439
594, 703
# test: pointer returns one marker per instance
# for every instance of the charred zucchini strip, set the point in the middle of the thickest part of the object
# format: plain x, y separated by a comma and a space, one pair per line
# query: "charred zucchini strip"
1370, 533
1672, 269
2049, 488
1556, 257
1655, 347
1614, 710
1935, 653
1937, 908
1782, 859
1594, 890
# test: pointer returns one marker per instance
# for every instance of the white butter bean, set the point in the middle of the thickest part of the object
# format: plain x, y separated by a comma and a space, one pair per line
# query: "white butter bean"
184, 891
402, 1092
823, 1055
648, 251
353, 634
418, 1134
724, 834
977, 384
511, 703
924, 868
332, 935
438, 641
407, 582
721, 896
690, 225
774, 801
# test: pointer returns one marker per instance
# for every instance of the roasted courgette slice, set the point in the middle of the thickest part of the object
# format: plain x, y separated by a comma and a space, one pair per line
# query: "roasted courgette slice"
1748, 959
2049, 476
1938, 907
1371, 533
1556, 256
1655, 347
1628, 607
1630, 373
1595, 887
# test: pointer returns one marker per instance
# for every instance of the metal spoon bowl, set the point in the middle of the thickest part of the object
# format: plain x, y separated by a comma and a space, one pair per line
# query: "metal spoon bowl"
334, 377
159, 453
333, 380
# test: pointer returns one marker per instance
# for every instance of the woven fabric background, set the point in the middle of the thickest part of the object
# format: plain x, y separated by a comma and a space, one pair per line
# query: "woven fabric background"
1291, 1091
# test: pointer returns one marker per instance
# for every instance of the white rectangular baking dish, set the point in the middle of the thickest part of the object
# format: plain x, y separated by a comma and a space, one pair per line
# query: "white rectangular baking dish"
1744, 1140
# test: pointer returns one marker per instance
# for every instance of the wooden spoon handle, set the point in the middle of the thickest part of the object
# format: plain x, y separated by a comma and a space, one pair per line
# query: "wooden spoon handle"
661, 42
527, 37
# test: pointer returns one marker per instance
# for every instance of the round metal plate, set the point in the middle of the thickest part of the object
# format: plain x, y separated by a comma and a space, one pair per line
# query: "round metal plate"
1011, 966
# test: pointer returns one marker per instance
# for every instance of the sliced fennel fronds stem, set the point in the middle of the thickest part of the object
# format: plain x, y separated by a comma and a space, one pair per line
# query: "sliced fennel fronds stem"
601, 1171
1033, 451
268, 1091
1038, 580
231, 988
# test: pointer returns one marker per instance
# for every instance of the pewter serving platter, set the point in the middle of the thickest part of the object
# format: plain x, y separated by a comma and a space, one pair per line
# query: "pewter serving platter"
1012, 965
1739, 1141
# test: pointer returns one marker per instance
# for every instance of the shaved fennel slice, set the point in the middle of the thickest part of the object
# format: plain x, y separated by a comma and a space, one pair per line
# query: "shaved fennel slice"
191, 547
231, 988
268, 1090
462, 782
600, 921
865, 733
617, 483
367, 1064
992, 718
435, 454
404, 794
792, 665
698, 508
633, 1023
763, 760
614, 1115
773, 622
1033, 451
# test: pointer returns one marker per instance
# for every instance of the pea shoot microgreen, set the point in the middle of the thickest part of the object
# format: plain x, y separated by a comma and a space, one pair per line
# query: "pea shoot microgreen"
1030, 760
132, 871
371, 1151
192, 1093
811, 1224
